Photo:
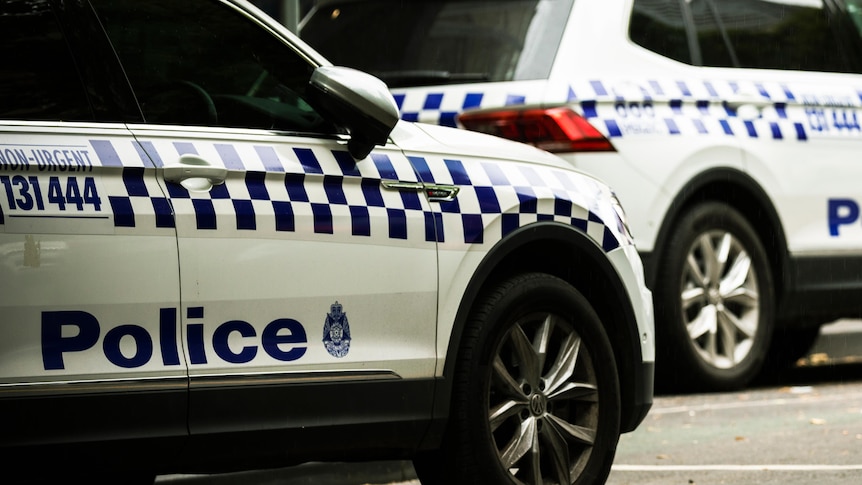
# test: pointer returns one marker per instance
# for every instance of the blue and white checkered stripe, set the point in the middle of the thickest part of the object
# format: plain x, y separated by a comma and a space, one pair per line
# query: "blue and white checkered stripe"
139, 202
308, 191
695, 107
347, 198
507, 197
690, 108
275, 191
440, 107
121, 199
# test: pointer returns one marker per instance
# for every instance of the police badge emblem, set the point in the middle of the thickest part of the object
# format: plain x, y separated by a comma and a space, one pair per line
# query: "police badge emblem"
336, 331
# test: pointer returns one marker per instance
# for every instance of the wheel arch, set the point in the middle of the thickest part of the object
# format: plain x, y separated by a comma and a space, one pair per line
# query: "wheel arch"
569, 254
743, 193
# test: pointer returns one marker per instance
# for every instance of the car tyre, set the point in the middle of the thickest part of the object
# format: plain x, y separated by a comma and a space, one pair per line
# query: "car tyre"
536, 391
714, 302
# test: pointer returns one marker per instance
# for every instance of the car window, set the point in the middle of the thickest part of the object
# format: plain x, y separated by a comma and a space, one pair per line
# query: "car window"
438, 42
781, 34
854, 9
199, 62
713, 41
38, 76
765, 34
659, 26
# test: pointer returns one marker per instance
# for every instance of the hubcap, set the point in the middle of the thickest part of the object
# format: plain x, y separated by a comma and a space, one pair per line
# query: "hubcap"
720, 303
543, 401
537, 405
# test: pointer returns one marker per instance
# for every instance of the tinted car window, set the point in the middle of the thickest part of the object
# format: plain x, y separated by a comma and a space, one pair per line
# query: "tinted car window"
854, 9
202, 63
658, 25
713, 41
766, 34
781, 35
432, 42
38, 77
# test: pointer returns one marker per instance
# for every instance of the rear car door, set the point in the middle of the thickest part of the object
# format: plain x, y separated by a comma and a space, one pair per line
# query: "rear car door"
301, 273
803, 140
89, 280
797, 107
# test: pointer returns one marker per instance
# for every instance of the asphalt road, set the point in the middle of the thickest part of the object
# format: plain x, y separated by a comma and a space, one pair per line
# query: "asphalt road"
802, 427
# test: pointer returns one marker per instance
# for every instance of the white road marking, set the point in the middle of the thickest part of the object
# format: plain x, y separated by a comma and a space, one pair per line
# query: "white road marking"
803, 399
731, 468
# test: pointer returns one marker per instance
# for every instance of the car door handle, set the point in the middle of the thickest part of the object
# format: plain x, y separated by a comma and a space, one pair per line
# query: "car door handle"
195, 174
756, 101
748, 107
435, 192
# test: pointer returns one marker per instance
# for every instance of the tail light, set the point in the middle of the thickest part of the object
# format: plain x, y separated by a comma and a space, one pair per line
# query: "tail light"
553, 129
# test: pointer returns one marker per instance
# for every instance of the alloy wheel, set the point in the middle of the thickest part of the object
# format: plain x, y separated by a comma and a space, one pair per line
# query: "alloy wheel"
543, 401
719, 298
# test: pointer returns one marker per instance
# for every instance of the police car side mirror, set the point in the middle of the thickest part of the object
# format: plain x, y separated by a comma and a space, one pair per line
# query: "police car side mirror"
357, 101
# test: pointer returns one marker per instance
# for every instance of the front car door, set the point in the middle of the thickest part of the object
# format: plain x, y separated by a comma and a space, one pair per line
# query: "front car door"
303, 277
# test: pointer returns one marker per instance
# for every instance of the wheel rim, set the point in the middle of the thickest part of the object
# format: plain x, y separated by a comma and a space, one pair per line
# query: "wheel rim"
543, 401
720, 302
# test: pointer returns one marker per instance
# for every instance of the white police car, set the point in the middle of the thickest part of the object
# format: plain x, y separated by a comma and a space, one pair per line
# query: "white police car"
218, 252
730, 129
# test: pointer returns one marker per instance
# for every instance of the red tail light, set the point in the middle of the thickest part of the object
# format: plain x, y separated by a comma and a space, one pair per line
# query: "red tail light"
554, 129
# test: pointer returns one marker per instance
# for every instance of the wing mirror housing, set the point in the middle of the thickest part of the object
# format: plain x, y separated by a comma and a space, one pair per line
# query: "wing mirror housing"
357, 101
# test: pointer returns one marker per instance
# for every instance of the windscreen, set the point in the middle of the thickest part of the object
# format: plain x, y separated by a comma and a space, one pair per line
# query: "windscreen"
418, 42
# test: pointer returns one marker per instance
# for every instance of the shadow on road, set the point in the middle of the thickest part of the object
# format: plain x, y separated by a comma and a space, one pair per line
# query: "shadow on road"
826, 373
835, 358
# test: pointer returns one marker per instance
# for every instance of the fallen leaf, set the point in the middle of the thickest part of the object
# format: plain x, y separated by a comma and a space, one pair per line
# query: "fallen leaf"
819, 358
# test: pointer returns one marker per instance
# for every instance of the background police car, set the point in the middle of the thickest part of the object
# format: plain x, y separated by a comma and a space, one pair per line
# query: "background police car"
729, 128
203, 271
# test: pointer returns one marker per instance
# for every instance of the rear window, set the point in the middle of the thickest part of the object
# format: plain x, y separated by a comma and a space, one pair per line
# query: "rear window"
417, 42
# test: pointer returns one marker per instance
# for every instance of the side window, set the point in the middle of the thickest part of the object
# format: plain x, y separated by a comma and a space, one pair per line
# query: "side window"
658, 25
38, 76
781, 35
854, 9
199, 62
712, 37
847, 22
